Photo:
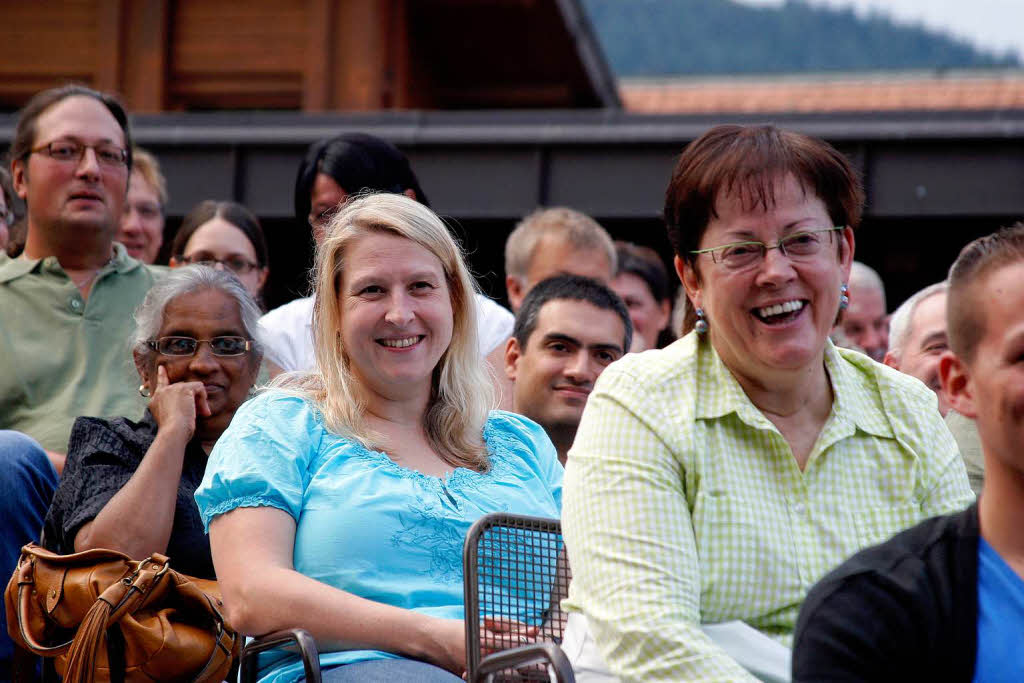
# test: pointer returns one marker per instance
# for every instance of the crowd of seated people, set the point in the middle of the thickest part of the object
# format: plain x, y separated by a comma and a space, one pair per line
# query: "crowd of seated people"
710, 482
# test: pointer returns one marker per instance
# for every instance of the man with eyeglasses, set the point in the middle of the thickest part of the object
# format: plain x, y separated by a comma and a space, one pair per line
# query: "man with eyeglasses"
66, 302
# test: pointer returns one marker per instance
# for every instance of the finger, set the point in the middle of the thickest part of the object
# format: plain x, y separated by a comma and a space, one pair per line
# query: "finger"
202, 404
161, 377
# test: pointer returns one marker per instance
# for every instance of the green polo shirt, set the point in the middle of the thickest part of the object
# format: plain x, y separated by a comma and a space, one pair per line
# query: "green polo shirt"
62, 356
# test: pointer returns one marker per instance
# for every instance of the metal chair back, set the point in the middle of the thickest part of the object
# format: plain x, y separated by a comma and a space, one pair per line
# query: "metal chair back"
516, 574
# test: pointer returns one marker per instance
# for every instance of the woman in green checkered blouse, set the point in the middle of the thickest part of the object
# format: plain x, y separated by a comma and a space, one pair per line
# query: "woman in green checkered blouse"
718, 479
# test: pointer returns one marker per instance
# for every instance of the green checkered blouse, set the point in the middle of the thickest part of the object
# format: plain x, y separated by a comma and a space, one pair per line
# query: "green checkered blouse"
684, 504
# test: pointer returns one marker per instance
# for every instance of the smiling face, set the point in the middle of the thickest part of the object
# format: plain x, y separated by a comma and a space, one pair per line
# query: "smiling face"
219, 240
396, 314
203, 315
771, 318
572, 343
141, 230
73, 195
926, 342
992, 386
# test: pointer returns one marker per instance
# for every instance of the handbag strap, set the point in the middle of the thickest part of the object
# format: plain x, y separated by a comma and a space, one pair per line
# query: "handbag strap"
119, 599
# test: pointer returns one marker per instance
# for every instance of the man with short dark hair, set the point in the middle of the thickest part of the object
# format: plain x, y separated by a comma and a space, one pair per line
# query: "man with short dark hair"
568, 330
65, 303
945, 599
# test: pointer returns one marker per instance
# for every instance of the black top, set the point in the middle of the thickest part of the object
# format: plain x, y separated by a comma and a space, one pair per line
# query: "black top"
905, 610
102, 457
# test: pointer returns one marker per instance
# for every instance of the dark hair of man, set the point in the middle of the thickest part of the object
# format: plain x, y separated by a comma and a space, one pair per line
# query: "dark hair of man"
25, 132
572, 288
747, 161
965, 317
644, 263
234, 213
357, 162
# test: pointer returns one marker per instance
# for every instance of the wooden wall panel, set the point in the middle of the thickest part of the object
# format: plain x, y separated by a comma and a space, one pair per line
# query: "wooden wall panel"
237, 53
43, 44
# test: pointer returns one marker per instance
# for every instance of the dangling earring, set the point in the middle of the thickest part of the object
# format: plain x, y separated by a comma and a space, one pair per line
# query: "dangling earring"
144, 391
701, 325
844, 298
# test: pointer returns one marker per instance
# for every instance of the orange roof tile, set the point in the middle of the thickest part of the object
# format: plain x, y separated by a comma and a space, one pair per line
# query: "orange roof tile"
821, 94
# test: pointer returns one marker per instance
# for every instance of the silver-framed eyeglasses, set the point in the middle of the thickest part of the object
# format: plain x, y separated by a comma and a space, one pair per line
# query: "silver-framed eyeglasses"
799, 246
187, 346
107, 154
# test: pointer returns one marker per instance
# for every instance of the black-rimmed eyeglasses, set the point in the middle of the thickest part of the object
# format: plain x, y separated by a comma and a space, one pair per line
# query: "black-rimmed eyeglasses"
107, 154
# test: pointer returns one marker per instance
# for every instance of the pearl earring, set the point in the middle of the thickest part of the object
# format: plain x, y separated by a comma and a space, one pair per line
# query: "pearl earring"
701, 325
844, 298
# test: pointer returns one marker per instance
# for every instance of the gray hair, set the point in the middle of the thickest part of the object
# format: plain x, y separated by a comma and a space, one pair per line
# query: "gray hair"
899, 323
862, 275
149, 316
573, 227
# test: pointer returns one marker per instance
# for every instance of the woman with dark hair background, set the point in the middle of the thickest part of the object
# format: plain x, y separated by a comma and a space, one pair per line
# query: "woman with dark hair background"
223, 235
642, 283
333, 170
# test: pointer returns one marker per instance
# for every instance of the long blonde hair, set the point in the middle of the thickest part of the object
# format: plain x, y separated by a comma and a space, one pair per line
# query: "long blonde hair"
461, 393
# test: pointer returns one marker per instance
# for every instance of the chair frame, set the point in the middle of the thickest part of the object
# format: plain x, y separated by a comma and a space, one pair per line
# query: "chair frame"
480, 668
304, 642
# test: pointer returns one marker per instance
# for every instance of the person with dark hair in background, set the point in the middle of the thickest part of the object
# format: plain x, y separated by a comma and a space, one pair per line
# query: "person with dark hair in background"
141, 229
944, 601
65, 303
711, 482
333, 170
568, 330
224, 235
643, 285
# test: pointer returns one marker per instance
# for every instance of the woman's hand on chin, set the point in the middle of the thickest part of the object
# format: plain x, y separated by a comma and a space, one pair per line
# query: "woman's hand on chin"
175, 407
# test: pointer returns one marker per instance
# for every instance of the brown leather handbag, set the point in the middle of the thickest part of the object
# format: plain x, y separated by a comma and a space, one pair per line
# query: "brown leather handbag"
105, 617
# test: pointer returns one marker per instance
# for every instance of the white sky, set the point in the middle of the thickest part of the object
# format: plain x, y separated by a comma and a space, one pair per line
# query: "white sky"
997, 25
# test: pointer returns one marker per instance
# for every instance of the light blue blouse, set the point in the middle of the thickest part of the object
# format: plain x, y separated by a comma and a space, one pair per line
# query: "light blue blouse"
365, 524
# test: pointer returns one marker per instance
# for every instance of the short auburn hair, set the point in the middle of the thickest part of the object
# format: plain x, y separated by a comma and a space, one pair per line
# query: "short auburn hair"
747, 160
965, 318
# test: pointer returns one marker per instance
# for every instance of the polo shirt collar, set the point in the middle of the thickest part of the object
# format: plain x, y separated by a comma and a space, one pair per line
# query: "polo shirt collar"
13, 268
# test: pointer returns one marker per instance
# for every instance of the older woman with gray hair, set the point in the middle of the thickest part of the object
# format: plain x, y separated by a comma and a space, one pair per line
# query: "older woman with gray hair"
129, 485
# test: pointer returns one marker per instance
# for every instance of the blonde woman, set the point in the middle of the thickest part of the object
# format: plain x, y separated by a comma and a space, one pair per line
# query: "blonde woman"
338, 501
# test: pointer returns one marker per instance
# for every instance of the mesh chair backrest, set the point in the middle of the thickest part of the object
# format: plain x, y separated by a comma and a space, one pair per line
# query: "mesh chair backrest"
515, 570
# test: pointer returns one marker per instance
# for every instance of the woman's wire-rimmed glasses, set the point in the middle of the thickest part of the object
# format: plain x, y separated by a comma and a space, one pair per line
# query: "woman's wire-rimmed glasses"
236, 264
802, 245
187, 346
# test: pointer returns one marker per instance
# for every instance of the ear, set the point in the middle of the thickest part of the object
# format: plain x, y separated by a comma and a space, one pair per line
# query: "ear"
891, 360
690, 279
512, 355
847, 244
410, 193
141, 367
956, 385
19, 176
515, 287
262, 279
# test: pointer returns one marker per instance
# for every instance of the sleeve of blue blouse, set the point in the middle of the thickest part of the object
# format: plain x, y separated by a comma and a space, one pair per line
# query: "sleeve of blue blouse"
262, 459
627, 525
546, 462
